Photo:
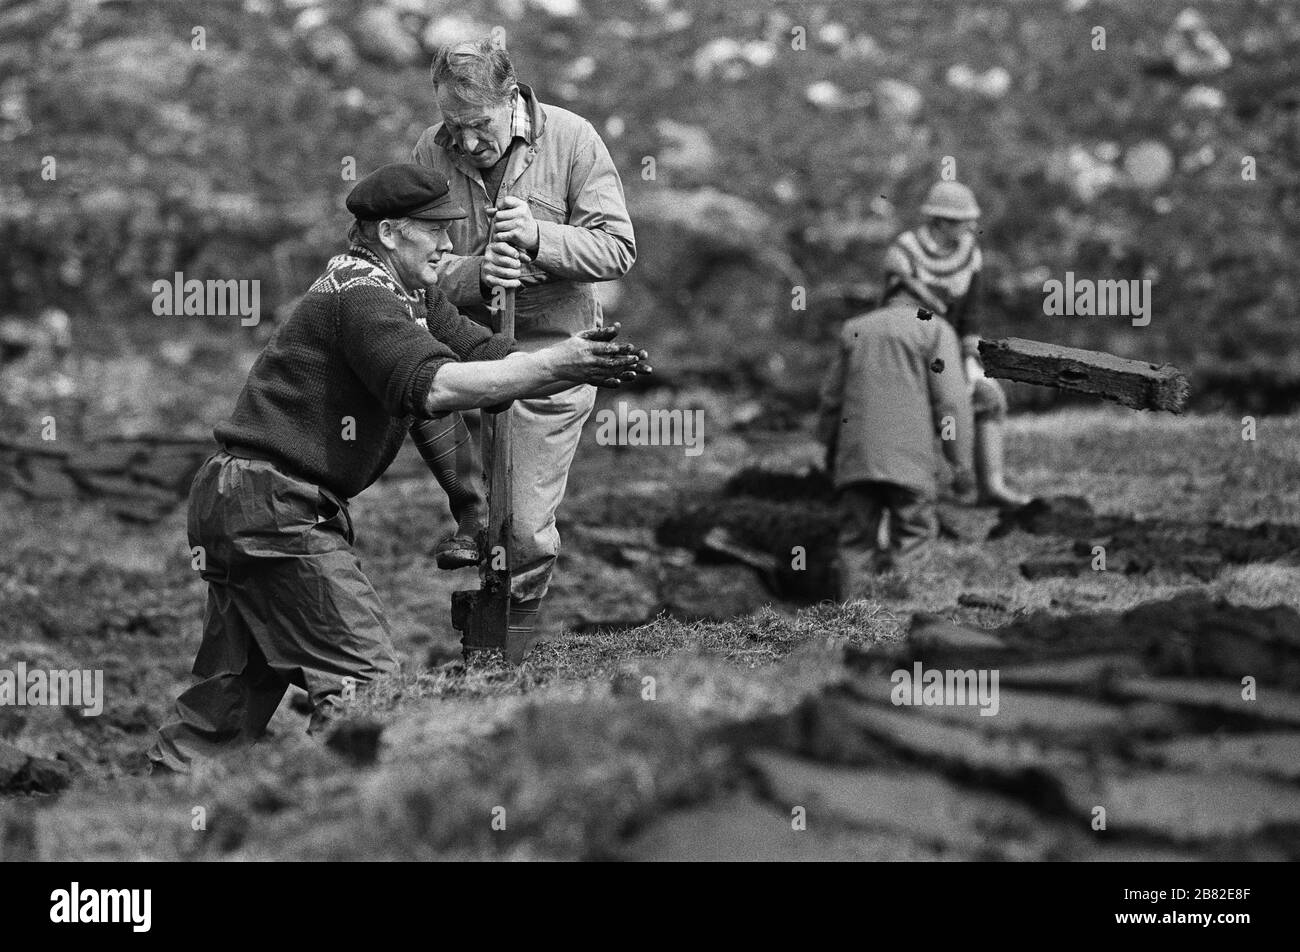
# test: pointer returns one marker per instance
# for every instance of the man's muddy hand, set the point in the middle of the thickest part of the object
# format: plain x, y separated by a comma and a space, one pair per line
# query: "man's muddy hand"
592, 357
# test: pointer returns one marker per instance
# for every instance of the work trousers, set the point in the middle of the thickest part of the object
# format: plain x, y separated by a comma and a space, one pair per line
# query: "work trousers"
545, 434
912, 525
287, 604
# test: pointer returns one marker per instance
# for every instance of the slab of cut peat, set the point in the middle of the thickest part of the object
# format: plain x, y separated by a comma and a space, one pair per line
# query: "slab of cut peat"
1131, 383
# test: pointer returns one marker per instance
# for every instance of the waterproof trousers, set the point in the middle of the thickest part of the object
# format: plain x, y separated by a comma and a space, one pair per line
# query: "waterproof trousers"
287, 604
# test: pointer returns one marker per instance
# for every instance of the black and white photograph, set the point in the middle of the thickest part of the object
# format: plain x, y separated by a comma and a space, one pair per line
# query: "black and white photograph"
651, 431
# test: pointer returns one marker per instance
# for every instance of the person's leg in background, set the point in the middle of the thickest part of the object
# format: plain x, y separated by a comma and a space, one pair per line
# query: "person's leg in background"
913, 525
990, 405
545, 437
858, 554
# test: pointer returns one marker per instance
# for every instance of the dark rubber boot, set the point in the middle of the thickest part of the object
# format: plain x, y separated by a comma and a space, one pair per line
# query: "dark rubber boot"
445, 445
522, 631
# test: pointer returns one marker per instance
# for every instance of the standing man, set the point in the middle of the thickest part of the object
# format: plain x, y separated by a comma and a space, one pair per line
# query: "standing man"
539, 178
940, 262
365, 356
894, 384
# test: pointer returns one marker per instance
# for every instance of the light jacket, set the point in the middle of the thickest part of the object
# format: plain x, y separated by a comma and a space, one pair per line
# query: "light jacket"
884, 399
584, 234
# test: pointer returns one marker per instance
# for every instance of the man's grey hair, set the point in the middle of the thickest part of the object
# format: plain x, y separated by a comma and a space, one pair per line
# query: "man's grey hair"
367, 232
475, 71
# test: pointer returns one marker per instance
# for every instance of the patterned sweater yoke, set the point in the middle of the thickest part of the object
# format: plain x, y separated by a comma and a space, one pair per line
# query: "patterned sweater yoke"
334, 390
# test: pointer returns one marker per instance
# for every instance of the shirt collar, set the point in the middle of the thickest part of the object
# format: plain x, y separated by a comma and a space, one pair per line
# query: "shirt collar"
521, 120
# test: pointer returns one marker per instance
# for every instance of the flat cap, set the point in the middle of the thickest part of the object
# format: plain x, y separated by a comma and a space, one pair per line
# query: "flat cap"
403, 190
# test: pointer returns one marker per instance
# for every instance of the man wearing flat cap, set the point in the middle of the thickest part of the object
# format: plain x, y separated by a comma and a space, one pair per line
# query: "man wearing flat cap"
372, 351
539, 179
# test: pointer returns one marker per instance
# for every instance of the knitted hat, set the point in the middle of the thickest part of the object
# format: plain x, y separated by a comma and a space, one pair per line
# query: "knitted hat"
951, 200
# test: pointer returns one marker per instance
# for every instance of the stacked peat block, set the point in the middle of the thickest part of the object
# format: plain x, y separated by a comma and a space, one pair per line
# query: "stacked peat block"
1179, 719
22, 773
139, 479
757, 519
1138, 546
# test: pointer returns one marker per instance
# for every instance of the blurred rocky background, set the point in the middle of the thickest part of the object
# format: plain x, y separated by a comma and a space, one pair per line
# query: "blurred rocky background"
140, 138
143, 137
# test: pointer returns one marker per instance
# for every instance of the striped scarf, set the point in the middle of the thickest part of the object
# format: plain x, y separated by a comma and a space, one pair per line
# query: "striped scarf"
948, 274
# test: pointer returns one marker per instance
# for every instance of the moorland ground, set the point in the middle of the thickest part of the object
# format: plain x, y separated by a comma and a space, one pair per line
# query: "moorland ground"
566, 743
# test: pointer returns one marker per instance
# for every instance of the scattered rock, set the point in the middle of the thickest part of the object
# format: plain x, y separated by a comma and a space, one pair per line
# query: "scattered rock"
686, 149
1193, 48
1202, 96
899, 100
453, 28
559, 8
992, 83
1084, 171
730, 59
1149, 164
329, 48
690, 233
381, 36
826, 95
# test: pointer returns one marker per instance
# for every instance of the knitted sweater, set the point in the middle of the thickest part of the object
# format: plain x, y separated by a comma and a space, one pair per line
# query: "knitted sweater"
336, 387
954, 276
